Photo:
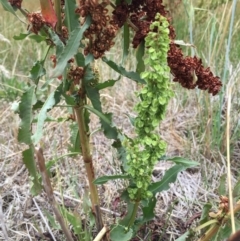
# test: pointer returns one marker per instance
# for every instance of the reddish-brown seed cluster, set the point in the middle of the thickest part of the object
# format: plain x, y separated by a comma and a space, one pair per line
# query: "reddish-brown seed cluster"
16, 3
142, 14
101, 32
76, 74
36, 22
190, 72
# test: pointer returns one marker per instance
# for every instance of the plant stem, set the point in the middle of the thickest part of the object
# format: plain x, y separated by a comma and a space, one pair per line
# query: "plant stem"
134, 213
57, 8
88, 162
49, 191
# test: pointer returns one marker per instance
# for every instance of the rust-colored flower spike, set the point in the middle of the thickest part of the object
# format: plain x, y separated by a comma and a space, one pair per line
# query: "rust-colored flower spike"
142, 14
36, 21
16, 3
76, 74
190, 72
102, 30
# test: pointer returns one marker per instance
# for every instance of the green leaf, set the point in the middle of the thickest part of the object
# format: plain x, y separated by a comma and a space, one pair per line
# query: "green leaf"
148, 210
184, 237
139, 57
38, 38
71, 48
37, 71
88, 59
183, 161
236, 189
52, 220
169, 177
205, 213
57, 41
51, 101
106, 121
75, 145
126, 41
21, 36
108, 83
28, 160
120, 233
93, 94
71, 18
104, 179
7, 6
80, 59
222, 185
25, 113
121, 70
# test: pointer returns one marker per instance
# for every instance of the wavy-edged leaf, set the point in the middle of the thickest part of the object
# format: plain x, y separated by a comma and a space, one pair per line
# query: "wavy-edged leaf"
121, 70
7, 6
139, 56
93, 94
75, 144
71, 47
57, 41
48, 12
37, 71
28, 160
51, 101
104, 179
169, 177
106, 122
71, 18
126, 41
25, 112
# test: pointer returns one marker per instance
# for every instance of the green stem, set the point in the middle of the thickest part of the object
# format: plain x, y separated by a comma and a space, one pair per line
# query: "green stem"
57, 8
88, 162
134, 214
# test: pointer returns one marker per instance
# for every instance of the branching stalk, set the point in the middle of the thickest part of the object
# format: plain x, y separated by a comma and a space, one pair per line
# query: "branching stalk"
88, 162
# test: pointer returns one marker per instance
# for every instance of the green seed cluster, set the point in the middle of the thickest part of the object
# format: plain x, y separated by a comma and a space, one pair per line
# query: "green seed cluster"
144, 151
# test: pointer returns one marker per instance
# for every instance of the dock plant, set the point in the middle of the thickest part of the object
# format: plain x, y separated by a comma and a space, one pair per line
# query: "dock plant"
76, 35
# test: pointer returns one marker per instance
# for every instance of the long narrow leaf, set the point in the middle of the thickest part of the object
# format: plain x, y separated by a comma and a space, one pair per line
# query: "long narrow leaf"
121, 70
139, 57
51, 101
71, 18
25, 113
104, 179
71, 48
7, 6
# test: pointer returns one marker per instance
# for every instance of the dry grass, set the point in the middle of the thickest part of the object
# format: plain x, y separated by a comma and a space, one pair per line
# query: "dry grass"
24, 216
